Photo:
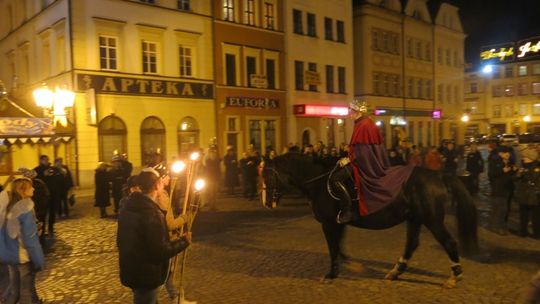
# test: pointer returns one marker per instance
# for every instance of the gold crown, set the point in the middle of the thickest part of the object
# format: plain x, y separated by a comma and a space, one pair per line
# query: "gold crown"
358, 105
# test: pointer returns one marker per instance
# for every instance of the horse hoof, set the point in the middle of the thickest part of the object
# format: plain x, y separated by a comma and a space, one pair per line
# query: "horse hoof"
329, 277
452, 281
392, 275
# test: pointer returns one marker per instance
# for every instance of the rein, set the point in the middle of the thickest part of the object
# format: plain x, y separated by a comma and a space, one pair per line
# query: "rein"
309, 181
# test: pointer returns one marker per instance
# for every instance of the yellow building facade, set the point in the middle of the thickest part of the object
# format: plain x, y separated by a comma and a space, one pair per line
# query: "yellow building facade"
319, 45
409, 68
503, 99
143, 78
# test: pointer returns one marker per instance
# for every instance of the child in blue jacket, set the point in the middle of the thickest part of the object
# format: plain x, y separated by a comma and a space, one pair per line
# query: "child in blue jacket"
19, 242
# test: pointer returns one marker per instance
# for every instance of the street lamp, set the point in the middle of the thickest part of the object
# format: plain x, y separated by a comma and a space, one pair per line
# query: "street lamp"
465, 117
54, 103
526, 118
488, 69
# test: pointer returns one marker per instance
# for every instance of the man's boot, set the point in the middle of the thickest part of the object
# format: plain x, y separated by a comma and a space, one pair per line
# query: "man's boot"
346, 213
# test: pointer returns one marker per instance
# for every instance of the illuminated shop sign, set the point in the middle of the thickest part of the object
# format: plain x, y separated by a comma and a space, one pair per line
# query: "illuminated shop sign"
508, 52
528, 48
437, 114
320, 110
498, 53
103, 84
252, 102
22, 126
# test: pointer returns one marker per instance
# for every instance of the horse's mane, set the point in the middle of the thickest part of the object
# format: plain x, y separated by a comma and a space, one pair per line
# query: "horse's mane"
299, 164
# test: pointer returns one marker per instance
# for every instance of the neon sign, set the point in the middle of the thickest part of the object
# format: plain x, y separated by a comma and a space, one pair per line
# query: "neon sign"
501, 54
529, 48
436, 114
320, 110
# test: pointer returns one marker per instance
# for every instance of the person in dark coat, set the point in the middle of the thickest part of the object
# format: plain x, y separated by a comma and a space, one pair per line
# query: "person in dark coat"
102, 189
212, 173
475, 166
252, 174
243, 167
65, 185
118, 180
502, 172
450, 159
526, 194
231, 170
52, 177
41, 199
143, 240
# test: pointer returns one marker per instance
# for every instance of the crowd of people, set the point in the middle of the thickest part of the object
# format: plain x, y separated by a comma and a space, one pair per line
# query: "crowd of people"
148, 220
28, 210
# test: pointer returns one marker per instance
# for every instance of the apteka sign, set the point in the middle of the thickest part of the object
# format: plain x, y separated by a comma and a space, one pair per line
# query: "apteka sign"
145, 87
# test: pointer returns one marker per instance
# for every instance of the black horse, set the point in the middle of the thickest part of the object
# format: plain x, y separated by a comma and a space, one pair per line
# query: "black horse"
421, 202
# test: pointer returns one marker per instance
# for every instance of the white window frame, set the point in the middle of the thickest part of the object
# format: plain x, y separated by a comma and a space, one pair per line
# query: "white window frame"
146, 50
108, 48
183, 58
523, 70
233, 50
273, 56
180, 4
269, 16
250, 52
229, 10
277, 125
247, 13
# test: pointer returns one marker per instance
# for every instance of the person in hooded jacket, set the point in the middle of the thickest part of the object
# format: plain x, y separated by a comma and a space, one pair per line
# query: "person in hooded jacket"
41, 200
143, 240
20, 248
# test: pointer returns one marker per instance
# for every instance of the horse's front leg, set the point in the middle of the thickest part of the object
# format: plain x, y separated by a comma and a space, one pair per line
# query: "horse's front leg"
333, 232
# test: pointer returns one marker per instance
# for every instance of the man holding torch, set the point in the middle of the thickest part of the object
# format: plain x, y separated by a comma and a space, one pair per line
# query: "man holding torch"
143, 240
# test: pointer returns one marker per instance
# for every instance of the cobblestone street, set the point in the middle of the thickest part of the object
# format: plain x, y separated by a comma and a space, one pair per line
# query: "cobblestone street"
243, 253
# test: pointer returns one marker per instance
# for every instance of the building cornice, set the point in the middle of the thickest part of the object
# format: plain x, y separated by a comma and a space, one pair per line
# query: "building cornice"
250, 27
13, 31
141, 75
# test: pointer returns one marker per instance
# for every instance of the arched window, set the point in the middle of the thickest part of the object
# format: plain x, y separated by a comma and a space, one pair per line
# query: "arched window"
112, 133
152, 141
188, 135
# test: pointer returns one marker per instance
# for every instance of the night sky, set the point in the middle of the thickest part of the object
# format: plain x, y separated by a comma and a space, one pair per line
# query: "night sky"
494, 21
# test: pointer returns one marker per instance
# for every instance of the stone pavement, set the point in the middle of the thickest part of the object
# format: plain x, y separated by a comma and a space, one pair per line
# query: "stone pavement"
243, 253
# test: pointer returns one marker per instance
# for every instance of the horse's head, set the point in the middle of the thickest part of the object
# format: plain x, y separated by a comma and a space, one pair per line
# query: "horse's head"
273, 180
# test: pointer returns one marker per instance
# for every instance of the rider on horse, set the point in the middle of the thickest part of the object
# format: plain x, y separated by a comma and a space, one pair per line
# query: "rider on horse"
376, 182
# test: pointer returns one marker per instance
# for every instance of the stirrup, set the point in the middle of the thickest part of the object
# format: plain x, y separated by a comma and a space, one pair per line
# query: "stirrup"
350, 219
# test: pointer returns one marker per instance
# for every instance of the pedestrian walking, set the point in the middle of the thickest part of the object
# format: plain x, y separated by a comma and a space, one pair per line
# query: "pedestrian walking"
231, 170
433, 159
118, 179
527, 187
20, 248
502, 172
212, 173
143, 240
65, 183
40, 198
102, 189
475, 166
450, 159
53, 179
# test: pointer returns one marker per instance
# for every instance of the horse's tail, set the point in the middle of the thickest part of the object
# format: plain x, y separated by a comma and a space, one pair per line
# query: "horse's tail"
466, 215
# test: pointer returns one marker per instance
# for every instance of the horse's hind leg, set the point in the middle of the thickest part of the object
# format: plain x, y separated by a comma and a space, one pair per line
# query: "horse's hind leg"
413, 239
333, 234
450, 246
